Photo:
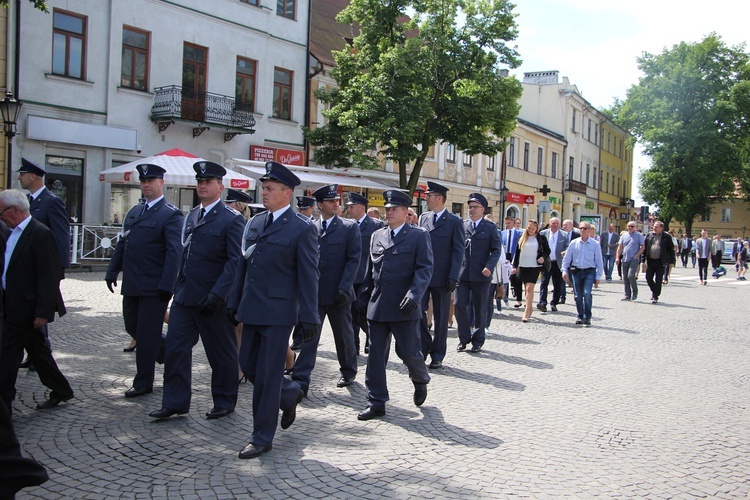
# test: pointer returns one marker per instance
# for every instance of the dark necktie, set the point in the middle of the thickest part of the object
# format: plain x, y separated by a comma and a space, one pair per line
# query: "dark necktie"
434, 219
393, 235
145, 207
269, 221
325, 225
474, 225
31, 198
202, 214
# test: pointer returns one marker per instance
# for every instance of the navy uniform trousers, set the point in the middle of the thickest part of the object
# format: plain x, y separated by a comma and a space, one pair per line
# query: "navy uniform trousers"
340, 318
406, 334
144, 317
441, 305
186, 325
476, 294
262, 353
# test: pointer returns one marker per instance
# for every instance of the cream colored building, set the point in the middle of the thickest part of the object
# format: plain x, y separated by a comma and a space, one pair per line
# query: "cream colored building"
615, 180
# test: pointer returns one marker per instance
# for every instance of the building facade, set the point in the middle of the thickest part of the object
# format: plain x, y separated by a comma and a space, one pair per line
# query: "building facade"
107, 82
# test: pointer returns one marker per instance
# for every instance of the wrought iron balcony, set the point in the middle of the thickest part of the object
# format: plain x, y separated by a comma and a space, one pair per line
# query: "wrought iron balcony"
575, 186
204, 108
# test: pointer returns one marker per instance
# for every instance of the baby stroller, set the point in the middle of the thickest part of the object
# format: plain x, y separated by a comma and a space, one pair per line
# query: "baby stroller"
719, 272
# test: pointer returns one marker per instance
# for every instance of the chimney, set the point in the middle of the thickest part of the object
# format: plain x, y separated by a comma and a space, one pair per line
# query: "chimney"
541, 77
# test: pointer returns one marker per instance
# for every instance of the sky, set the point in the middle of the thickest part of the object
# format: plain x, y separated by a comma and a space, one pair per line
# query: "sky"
596, 43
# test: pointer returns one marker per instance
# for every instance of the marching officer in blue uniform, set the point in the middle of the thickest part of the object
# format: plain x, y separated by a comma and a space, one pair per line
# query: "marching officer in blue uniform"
447, 237
276, 287
46, 208
211, 237
340, 251
356, 208
148, 255
482, 251
306, 206
398, 278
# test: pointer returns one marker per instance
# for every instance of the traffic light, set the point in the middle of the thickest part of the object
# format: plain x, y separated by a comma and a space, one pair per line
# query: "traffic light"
644, 213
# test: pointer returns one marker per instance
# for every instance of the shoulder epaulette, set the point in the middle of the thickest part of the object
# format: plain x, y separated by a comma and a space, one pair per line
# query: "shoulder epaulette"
171, 207
231, 210
301, 217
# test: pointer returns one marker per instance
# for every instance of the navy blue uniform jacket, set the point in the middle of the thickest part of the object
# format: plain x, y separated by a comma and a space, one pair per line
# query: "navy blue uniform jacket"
50, 211
277, 284
210, 254
340, 253
366, 228
447, 238
400, 268
482, 249
149, 251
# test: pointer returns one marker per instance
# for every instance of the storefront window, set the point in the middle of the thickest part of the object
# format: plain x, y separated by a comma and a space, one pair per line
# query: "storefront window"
65, 179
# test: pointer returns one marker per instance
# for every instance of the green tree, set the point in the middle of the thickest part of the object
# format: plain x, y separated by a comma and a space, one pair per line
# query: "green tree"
38, 4
686, 111
407, 83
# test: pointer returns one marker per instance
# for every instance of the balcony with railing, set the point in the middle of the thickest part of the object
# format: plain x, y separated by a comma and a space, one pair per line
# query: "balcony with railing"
575, 186
204, 109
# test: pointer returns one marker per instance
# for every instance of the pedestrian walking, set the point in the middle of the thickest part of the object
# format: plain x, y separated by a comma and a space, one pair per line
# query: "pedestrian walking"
609, 242
558, 243
211, 238
703, 252
481, 253
533, 250
583, 266
629, 251
356, 208
398, 279
340, 253
275, 288
148, 255
659, 253
447, 239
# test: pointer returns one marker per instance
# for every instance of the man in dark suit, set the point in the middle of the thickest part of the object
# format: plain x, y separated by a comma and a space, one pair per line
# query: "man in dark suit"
276, 287
306, 207
211, 238
398, 278
31, 280
340, 252
685, 244
573, 233
609, 242
48, 209
659, 254
481, 253
356, 208
558, 243
148, 254
447, 238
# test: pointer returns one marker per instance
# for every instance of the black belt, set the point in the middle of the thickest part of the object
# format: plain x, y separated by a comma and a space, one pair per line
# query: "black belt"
577, 269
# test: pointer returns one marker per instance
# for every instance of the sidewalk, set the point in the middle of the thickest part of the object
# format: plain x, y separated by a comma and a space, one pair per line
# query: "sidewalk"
651, 400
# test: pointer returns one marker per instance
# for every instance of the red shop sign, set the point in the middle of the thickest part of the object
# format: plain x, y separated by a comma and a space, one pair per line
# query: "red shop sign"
526, 199
285, 156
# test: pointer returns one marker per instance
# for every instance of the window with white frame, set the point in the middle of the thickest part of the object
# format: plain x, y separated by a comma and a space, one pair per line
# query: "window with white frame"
450, 153
540, 161
526, 153
553, 174
726, 214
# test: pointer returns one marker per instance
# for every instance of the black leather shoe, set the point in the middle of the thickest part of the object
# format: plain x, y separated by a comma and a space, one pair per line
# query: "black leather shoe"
562, 301
26, 362
344, 381
579, 321
476, 348
420, 393
461, 347
370, 413
218, 413
53, 401
288, 416
554, 308
542, 307
165, 413
129, 349
253, 450
134, 393
435, 364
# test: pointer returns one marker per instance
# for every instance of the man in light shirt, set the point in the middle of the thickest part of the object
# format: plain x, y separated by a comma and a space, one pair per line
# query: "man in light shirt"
629, 250
583, 263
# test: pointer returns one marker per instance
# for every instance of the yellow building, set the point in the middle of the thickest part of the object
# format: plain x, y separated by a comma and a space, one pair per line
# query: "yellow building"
731, 219
615, 177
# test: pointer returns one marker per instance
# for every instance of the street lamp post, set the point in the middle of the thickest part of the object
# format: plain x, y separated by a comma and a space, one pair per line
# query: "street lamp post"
10, 107
503, 195
629, 205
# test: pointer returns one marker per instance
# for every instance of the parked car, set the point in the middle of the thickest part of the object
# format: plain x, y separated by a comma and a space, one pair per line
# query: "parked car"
727, 256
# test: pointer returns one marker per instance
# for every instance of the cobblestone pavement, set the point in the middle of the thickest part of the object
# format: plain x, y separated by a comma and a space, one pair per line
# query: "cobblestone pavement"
652, 400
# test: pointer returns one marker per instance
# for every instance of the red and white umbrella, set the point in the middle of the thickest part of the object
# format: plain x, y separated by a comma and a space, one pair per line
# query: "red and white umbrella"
179, 171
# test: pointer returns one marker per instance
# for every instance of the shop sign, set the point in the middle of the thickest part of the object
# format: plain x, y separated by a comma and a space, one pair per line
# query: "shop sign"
526, 199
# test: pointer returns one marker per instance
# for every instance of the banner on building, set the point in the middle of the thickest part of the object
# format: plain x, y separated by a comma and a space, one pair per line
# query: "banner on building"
526, 199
